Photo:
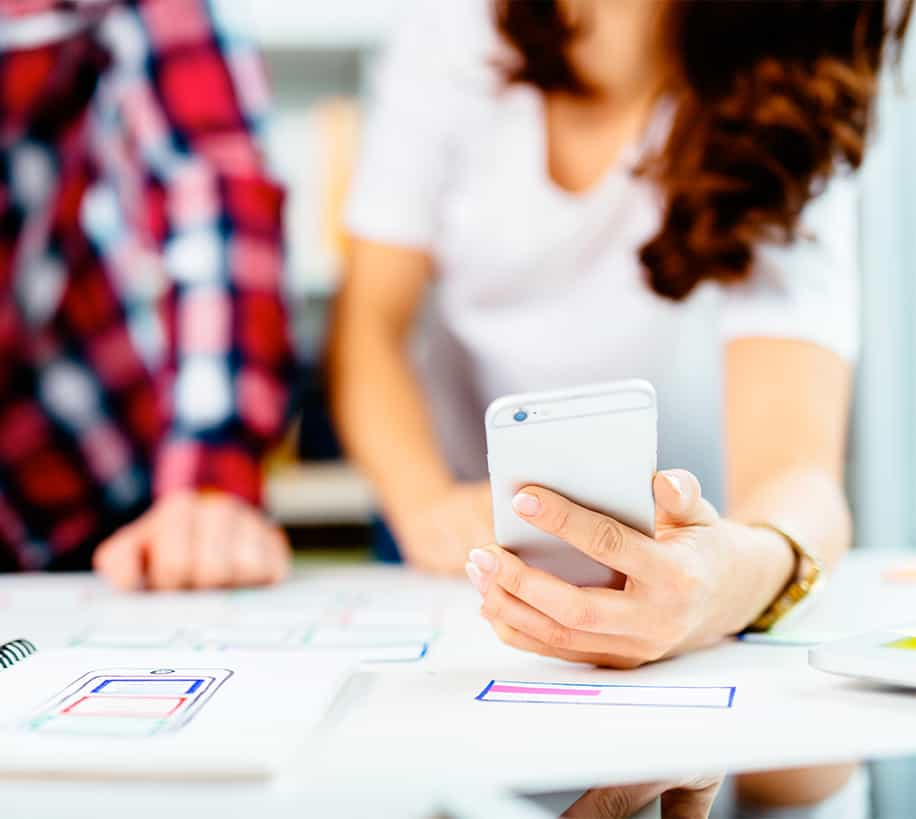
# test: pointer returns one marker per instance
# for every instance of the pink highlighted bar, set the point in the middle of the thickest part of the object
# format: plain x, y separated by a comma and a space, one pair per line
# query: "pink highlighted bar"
563, 692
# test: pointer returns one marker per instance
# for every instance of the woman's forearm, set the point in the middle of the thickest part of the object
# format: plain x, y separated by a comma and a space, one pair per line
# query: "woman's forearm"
381, 417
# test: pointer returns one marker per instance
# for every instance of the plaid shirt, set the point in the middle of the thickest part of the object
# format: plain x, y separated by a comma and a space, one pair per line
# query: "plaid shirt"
143, 339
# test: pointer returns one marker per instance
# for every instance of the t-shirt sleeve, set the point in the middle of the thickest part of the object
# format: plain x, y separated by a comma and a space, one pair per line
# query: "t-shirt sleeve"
418, 93
806, 290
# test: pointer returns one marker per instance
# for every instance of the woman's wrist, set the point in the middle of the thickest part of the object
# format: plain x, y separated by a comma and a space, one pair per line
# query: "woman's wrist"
768, 565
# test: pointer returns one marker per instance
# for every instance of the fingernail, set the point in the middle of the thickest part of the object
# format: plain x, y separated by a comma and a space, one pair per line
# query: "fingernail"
673, 482
483, 560
525, 504
478, 581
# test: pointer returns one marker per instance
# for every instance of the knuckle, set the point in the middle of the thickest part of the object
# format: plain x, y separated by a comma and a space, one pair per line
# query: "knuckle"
491, 609
613, 802
580, 617
167, 563
512, 582
160, 580
605, 538
558, 519
557, 636
166, 573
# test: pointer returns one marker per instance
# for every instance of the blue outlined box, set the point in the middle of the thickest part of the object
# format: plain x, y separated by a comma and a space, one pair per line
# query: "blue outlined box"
151, 686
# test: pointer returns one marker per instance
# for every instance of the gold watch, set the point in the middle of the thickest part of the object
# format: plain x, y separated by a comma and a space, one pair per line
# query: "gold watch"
807, 579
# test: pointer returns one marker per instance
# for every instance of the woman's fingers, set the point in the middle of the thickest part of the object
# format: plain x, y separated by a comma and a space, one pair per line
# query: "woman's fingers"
614, 802
591, 610
679, 500
692, 800
600, 537
516, 639
499, 606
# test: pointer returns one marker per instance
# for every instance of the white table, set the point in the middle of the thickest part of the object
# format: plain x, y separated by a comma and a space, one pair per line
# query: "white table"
401, 740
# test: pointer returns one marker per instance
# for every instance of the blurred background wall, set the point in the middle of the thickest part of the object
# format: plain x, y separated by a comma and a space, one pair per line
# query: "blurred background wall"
883, 466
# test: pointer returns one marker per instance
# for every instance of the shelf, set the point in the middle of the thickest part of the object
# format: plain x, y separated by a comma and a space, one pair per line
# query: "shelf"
318, 494
291, 25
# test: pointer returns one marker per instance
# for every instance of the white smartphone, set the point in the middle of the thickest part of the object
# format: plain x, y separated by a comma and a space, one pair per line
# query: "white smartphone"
596, 445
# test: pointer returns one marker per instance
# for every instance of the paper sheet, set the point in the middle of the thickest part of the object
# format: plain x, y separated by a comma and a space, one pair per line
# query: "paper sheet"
162, 714
311, 611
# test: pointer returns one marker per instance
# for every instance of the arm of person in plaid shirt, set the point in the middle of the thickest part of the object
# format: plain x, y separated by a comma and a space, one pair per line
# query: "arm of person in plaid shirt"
191, 97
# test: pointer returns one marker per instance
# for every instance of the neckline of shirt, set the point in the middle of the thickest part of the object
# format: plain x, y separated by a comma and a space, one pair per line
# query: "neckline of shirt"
631, 156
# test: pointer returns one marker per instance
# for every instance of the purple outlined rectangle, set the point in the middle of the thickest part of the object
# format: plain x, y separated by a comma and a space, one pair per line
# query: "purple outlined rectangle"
635, 696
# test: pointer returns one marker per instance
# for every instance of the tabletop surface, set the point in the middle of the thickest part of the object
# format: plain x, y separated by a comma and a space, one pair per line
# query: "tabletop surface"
404, 735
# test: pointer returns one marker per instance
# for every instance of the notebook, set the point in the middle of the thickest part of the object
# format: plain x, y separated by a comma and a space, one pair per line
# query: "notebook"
195, 715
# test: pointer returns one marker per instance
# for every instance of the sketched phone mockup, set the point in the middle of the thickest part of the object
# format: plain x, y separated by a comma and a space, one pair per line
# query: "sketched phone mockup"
595, 444
129, 702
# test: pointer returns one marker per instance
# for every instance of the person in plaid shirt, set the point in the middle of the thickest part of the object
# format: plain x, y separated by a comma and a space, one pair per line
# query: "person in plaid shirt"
144, 353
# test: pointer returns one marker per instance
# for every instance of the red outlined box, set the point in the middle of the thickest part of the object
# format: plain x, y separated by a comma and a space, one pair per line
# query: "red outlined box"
101, 706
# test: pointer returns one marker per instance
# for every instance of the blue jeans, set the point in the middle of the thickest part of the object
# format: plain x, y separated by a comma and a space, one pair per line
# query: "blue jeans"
384, 546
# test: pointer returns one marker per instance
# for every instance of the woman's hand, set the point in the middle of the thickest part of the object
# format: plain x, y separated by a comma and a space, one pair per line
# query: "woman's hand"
437, 539
195, 540
702, 577
683, 799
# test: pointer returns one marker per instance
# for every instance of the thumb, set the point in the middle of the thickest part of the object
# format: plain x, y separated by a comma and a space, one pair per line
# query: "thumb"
693, 801
679, 500
614, 802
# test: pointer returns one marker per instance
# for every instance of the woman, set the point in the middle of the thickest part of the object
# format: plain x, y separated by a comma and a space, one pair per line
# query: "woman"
582, 191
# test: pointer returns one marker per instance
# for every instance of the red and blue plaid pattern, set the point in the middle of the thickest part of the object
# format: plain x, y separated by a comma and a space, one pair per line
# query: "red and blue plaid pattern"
143, 338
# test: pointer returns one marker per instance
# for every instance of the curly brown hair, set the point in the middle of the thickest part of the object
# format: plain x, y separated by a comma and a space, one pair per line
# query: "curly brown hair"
772, 99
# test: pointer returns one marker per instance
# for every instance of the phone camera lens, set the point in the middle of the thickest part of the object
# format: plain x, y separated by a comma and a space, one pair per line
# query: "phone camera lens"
520, 416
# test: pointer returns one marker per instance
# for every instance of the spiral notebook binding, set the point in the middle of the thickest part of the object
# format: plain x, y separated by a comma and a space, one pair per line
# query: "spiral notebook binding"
15, 651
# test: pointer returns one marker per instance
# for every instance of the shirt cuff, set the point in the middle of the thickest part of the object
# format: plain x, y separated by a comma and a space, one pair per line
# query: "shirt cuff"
183, 465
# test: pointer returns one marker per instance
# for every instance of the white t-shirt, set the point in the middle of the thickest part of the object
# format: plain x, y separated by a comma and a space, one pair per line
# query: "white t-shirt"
538, 288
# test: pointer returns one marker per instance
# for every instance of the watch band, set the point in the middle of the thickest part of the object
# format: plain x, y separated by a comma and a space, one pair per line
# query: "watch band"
806, 580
